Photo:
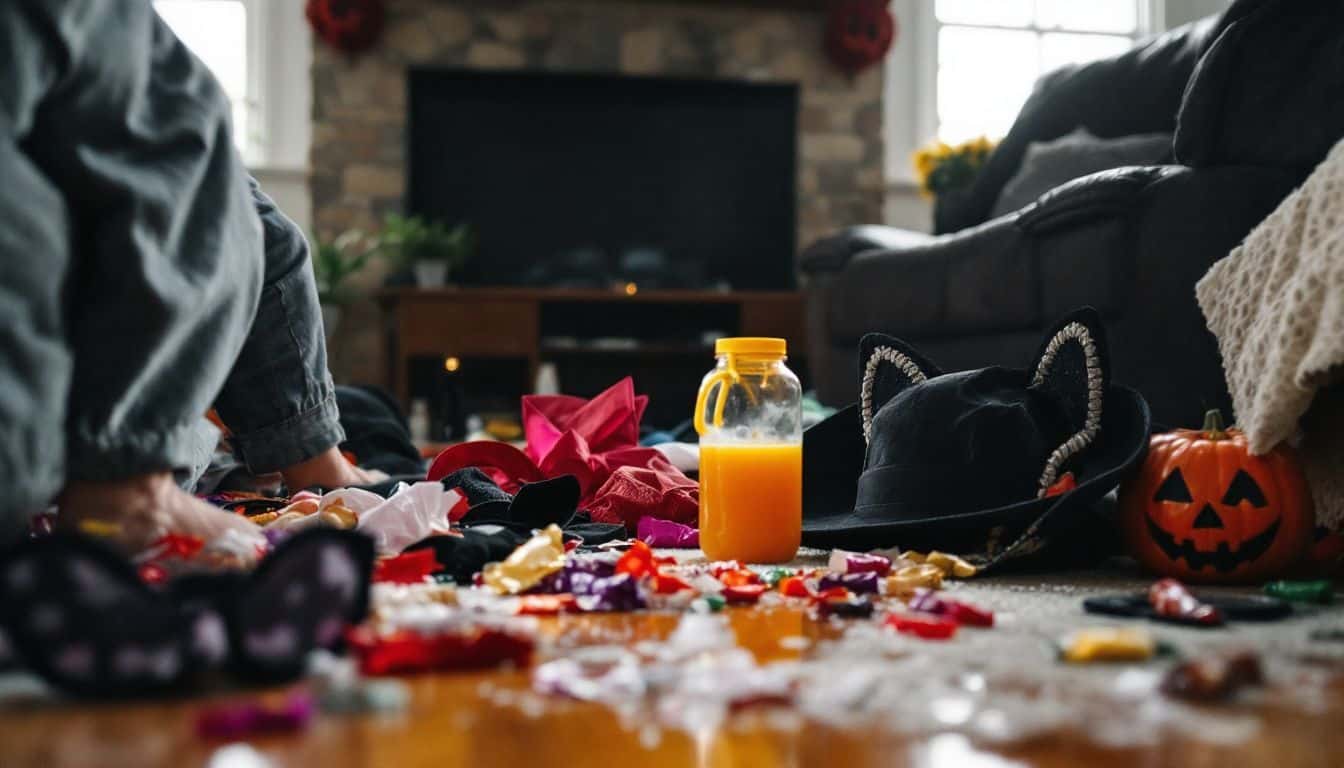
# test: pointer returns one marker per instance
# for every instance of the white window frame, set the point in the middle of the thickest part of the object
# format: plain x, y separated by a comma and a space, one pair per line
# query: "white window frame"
911, 85
279, 56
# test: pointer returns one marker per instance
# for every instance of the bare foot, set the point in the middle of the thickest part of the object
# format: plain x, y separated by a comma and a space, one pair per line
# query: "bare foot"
136, 512
328, 470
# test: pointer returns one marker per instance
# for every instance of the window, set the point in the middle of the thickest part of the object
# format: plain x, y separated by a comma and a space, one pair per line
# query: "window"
219, 32
990, 52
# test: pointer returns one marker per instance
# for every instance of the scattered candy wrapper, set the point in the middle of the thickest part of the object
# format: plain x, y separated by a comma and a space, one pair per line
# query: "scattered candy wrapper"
1173, 602
234, 721
965, 614
1107, 644
1320, 592
858, 582
412, 567
856, 562
526, 566
905, 581
607, 594
1214, 678
859, 607
478, 646
926, 627
667, 534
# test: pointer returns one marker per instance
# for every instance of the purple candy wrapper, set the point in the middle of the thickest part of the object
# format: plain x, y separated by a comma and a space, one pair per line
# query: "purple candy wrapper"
606, 594
926, 601
235, 721
858, 583
667, 534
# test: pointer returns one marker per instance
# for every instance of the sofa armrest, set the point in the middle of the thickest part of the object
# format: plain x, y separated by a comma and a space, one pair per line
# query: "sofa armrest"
1097, 195
832, 253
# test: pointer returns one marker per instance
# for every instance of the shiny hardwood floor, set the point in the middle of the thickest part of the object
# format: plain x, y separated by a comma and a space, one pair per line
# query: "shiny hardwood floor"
461, 720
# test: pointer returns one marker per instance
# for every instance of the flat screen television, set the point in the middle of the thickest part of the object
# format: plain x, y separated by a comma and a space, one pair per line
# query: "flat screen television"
621, 172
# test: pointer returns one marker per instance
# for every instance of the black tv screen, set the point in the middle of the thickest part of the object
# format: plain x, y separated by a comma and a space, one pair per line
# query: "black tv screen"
547, 168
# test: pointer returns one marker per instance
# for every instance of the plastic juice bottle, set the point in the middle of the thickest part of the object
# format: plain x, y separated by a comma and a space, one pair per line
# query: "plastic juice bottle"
750, 418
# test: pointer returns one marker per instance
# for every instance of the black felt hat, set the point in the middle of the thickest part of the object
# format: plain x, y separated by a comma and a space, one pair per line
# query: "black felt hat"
973, 462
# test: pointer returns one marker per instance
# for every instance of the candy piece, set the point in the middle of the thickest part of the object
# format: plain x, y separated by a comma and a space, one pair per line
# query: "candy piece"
667, 584
639, 561
738, 578
534, 559
1108, 644
667, 533
794, 586
1172, 601
927, 627
546, 605
708, 604
775, 576
344, 517
236, 721
857, 562
831, 593
860, 583
407, 568
951, 565
99, 528
964, 614
1063, 485
906, 580
407, 651
152, 573
607, 594
1215, 678
263, 519
848, 608
743, 594
1301, 591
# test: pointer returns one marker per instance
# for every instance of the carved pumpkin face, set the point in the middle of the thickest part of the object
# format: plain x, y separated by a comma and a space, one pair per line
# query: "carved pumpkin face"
859, 33
1202, 508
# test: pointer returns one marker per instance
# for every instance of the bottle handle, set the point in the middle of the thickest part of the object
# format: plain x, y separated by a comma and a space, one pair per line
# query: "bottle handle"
722, 380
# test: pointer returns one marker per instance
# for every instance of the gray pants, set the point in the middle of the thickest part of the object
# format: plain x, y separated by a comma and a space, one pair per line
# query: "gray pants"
143, 277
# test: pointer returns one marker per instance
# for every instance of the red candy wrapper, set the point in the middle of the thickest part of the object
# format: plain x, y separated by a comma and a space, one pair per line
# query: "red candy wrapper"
794, 586
406, 651
1171, 600
965, 614
857, 562
927, 627
547, 605
407, 568
639, 561
743, 594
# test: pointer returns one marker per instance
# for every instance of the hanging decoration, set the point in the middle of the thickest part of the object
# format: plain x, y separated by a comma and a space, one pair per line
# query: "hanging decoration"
349, 26
859, 33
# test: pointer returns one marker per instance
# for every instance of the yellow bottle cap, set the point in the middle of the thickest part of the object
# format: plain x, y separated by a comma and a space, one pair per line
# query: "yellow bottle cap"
751, 345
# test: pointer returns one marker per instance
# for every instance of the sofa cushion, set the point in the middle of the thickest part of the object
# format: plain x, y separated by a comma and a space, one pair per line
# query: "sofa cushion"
1270, 90
1047, 164
1138, 91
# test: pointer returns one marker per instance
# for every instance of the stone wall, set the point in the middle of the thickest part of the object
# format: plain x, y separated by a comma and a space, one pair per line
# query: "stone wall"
359, 107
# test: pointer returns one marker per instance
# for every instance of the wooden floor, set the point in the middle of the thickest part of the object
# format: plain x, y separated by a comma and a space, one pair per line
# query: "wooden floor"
461, 720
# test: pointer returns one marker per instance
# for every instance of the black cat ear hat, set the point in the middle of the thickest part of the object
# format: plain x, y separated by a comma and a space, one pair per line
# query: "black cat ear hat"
972, 462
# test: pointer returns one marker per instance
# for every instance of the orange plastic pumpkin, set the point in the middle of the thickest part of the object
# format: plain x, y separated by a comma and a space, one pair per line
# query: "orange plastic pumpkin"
1202, 508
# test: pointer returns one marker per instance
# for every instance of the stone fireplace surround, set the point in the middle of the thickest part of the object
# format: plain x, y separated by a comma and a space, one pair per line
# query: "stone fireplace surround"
359, 106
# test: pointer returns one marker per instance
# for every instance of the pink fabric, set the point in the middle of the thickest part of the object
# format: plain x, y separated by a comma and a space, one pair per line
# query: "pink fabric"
595, 440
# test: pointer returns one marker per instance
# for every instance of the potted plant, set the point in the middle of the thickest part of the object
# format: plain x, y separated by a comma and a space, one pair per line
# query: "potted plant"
431, 249
334, 262
943, 168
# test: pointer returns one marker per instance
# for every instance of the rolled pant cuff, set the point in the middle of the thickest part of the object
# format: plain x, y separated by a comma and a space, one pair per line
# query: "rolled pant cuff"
296, 439
101, 458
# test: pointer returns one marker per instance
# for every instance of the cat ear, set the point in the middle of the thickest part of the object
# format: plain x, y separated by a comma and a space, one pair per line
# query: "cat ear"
887, 367
1073, 367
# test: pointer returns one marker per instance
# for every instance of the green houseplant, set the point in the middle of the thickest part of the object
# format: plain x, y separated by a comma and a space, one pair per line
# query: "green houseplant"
431, 249
334, 263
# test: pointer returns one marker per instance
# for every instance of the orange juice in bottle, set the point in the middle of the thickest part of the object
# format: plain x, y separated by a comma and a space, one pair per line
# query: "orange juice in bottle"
749, 415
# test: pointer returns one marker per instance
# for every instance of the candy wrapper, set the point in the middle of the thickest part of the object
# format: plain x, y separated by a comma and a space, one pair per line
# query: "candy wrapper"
470, 647
1215, 678
856, 562
1107, 644
667, 534
231, 722
1173, 602
964, 614
538, 557
606, 594
860, 583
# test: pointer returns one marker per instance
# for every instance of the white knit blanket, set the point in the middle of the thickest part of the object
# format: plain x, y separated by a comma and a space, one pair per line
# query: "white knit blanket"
1276, 304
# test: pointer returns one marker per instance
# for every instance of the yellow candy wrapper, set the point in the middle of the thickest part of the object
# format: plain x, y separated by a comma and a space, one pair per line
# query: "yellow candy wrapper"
1108, 644
904, 581
951, 565
536, 559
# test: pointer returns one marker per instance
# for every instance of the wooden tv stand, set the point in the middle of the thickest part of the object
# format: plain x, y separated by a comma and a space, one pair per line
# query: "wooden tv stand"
467, 322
